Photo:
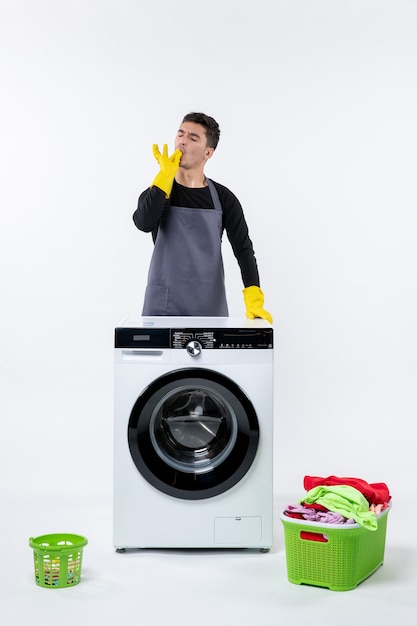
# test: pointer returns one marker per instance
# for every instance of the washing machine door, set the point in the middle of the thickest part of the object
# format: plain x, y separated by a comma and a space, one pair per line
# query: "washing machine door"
193, 433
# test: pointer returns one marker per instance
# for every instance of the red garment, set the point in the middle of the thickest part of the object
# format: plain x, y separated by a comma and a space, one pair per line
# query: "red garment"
315, 505
294, 515
375, 493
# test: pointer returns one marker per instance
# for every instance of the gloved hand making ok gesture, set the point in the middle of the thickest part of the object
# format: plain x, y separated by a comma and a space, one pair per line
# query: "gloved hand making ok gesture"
169, 167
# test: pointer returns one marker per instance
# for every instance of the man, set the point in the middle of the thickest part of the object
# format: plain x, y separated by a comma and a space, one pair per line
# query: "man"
187, 214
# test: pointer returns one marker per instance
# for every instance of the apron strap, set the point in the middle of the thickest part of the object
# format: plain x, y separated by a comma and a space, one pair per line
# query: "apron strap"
214, 196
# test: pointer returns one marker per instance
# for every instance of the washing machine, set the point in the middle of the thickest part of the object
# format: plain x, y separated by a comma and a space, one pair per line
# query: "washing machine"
193, 433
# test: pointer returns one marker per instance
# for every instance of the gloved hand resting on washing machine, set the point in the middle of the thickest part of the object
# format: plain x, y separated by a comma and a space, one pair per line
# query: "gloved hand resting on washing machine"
254, 301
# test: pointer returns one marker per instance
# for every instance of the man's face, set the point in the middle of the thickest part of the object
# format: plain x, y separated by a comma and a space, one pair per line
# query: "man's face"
191, 139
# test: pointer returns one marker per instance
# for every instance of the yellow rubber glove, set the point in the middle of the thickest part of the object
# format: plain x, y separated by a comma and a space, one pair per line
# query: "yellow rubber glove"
254, 302
169, 167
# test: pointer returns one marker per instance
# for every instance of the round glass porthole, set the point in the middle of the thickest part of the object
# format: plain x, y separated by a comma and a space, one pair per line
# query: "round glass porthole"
193, 433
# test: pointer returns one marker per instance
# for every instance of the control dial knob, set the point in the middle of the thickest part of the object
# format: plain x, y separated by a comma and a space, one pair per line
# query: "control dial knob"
194, 348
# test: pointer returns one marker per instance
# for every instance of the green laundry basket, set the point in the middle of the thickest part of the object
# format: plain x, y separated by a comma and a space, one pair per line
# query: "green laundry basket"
58, 559
336, 556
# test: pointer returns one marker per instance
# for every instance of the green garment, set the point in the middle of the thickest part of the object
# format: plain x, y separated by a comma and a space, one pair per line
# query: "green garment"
345, 500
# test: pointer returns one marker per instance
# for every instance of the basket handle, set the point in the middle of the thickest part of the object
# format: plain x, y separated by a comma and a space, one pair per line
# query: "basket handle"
310, 536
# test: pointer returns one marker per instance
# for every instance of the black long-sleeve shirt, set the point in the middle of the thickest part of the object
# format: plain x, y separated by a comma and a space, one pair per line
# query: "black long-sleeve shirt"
152, 202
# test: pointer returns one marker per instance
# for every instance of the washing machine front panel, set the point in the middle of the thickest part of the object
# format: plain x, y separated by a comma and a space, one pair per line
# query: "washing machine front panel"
193, 433
227, 377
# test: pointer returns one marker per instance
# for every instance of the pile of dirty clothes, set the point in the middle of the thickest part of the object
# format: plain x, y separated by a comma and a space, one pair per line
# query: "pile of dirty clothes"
340, 500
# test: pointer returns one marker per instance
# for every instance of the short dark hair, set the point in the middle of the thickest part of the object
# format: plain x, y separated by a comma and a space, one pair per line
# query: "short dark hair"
209, 124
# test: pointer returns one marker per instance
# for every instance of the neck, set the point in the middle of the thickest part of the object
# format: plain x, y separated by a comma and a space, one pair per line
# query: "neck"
191, 178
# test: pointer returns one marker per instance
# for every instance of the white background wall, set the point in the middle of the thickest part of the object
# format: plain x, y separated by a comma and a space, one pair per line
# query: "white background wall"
316, 100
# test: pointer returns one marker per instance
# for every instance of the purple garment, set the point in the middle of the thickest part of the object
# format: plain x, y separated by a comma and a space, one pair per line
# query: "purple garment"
311, 515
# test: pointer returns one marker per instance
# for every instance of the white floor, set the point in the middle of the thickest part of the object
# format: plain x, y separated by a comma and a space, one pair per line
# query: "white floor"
184, 588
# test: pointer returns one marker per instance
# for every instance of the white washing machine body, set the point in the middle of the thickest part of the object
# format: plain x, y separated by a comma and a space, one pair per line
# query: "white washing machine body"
193, 433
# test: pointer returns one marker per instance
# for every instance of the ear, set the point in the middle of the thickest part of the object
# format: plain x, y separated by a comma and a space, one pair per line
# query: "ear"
209, 153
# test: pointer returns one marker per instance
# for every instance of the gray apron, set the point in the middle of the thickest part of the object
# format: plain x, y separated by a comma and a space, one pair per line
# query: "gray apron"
186, 274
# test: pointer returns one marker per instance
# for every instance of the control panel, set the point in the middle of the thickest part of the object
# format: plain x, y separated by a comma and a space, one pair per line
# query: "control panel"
223, 339
195, 338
